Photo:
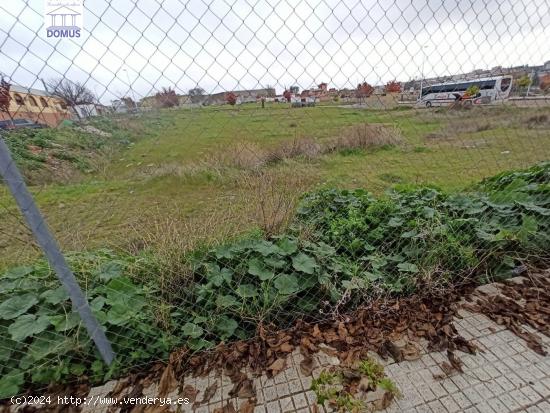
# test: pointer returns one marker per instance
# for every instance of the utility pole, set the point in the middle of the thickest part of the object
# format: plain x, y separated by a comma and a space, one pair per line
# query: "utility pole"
422, 72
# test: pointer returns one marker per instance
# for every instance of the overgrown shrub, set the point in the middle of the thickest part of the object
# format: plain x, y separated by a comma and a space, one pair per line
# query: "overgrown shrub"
42, 339
343, 247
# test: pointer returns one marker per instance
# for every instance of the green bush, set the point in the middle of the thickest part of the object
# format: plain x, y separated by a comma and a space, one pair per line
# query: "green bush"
343, 248
417, 234
42, 339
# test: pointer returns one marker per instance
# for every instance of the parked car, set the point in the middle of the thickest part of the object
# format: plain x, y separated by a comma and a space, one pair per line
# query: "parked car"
20, 123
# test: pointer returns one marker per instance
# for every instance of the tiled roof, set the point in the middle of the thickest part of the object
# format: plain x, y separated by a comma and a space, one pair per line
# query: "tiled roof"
29, 90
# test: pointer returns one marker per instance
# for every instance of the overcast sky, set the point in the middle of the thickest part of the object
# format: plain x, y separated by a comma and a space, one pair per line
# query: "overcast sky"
237, 44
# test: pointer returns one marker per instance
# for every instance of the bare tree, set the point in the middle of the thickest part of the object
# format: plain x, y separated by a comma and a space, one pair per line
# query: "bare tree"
196, 94
73, 93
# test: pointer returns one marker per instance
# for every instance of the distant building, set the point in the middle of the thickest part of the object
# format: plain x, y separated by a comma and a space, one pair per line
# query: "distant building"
320, 93
150, 102
90, 110
243, 96
36, 105
122, 106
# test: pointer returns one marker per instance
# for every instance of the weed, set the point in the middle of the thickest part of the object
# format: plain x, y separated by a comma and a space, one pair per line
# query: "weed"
326, 386
273, 199
388, 385
347, 403
364, 136
371, 369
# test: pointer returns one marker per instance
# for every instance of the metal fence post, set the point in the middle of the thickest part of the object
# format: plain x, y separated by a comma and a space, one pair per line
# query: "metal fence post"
35, 221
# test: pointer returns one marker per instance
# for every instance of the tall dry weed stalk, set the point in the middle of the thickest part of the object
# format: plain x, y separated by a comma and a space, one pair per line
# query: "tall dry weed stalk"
272, 198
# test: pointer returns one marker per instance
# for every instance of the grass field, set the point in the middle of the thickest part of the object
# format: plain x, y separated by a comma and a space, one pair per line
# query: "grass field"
192, 177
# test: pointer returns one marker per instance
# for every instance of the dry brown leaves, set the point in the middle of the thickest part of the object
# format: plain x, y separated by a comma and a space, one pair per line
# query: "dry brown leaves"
524, 302
168, 382
209, 392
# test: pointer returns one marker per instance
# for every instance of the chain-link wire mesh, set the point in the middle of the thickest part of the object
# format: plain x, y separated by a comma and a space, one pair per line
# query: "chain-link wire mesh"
197, 162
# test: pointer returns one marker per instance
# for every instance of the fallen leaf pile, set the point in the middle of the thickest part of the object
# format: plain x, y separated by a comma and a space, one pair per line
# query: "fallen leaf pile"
523, 302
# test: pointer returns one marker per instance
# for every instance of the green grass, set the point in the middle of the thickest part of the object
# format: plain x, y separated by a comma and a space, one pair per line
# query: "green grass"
135, 187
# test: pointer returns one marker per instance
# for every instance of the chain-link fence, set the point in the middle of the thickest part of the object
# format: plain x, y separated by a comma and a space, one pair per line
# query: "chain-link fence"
198, 163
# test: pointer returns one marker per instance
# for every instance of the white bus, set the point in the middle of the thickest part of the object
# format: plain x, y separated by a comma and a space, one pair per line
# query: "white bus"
491, 89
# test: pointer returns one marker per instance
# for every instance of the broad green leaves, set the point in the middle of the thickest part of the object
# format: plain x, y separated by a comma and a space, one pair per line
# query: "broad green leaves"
55, 296
407, 267
304, 263
10, 383
226, 301
192, 330
287, 284
17, 305
288, 246
247, 291
258, 268
226, 326
44, 342
27, 325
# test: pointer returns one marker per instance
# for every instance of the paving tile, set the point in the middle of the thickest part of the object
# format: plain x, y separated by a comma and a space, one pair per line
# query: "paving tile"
273, 407
538, 370
460, 382
531, 394
494, 387
425, 392
295, 386
497, 405
282, 390
505, 383
437, 407
270, 393
520, 398
449, 385
516, 380
484, 391
509, 402
450, 404
300, 401
462, 401
484, 407
544, 406
423, 408
286, 404
472, 395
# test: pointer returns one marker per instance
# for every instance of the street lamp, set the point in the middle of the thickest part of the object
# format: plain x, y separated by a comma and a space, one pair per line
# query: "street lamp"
422, 72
